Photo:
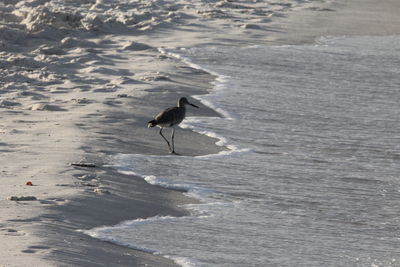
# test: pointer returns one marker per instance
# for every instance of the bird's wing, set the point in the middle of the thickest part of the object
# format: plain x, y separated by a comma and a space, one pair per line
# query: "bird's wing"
166, 116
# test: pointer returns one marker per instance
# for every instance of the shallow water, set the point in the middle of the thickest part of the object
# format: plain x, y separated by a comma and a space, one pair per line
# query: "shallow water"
312, 178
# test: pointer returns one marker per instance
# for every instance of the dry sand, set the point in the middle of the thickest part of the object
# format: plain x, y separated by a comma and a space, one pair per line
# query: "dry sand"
84, 92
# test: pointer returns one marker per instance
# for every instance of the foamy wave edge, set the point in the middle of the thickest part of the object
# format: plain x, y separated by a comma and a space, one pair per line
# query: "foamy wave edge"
186, 188
191, 122
101, 233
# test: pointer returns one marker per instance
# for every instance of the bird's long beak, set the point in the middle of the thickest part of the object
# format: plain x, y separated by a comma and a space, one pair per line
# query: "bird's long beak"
193, 105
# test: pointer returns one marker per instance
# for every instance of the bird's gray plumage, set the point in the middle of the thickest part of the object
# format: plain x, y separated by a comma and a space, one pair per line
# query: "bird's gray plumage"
170, 118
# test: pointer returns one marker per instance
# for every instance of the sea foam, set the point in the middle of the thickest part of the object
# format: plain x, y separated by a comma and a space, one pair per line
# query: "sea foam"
124, 162
106, 233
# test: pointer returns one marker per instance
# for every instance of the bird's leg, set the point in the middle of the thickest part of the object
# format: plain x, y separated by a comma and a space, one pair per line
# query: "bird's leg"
165, 139
172, 140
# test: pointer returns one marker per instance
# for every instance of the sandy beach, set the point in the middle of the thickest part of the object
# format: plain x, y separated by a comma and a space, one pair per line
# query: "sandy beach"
79, 83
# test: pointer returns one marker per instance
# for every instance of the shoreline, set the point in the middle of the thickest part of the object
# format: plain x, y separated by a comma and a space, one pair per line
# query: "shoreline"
118, 203
43, 232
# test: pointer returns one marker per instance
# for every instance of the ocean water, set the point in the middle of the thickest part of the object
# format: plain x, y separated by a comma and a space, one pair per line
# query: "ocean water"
312, 175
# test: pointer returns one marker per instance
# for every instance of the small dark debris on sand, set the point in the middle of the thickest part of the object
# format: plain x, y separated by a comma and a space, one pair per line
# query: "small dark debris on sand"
22, 198
83, 164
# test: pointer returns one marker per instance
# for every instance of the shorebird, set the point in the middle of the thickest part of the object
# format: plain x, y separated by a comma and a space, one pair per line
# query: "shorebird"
170, 118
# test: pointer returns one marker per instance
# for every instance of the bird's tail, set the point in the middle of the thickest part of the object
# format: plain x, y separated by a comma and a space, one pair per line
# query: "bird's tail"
151, 123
